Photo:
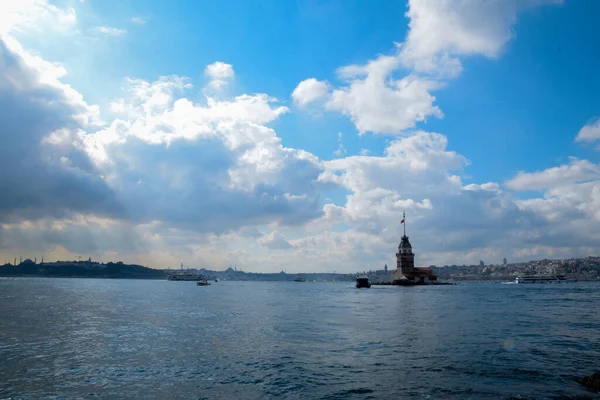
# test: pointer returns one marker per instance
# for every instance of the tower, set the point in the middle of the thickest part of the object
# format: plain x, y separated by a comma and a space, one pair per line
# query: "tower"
405, 258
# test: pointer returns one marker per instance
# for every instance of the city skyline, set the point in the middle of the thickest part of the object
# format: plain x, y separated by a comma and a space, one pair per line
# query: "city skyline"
293, 135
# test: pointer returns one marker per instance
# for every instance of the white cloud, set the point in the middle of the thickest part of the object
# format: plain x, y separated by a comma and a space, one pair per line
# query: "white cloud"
157, 97
439, 32
219, 70
18, 17
378, 101
590, 132
138, 20
220, 157
110, 31
456, 28
220, 74
173, 178
117, 106
274, 241
309, 90
42, 119
411, 173
576, 171
383, 105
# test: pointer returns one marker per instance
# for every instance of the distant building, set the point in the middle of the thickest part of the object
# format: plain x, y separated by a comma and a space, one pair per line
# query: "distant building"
405, 263
481, 263
504, 261
385, 268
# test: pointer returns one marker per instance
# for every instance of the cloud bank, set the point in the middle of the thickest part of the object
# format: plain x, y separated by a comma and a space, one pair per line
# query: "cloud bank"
165, 173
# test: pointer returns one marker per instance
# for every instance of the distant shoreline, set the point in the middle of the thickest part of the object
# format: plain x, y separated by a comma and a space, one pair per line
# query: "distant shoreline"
580, 269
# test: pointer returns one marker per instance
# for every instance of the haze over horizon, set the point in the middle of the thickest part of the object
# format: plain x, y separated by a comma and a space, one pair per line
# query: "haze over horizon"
292, 135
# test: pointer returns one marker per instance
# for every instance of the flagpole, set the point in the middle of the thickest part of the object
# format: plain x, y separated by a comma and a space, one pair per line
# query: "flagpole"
404, 219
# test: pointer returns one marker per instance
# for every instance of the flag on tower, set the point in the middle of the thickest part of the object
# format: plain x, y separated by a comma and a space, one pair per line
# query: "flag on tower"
402, 221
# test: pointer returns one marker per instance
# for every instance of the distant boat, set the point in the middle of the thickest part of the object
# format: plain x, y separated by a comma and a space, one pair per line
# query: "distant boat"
541, 279
202, 282
299, 279
184, 276
362, 281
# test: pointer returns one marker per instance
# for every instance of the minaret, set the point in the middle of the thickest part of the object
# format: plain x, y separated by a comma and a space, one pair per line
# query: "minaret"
405, 258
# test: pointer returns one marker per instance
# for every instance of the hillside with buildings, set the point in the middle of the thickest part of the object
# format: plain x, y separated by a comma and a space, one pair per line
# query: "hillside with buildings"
587, 268
120, 270
80, 269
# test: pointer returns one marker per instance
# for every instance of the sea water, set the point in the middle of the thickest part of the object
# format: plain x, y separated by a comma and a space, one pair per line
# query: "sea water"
113, 339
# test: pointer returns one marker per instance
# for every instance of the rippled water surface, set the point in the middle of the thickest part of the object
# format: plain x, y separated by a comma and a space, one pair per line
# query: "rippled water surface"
79, 338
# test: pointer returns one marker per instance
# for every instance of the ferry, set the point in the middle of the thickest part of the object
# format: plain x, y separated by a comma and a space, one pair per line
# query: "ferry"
362, 281
300, 279
184, 276
541, 279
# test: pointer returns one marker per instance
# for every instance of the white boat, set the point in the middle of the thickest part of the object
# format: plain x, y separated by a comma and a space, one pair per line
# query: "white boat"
185, 276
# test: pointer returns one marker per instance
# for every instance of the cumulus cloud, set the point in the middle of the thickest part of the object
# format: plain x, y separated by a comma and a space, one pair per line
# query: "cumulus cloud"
19, 17
440, 33
171, 177
380, 104
576, 171
219, 70
310, 90
274, 241
590, 132
412, 172
220, 74
218, 165
43, 168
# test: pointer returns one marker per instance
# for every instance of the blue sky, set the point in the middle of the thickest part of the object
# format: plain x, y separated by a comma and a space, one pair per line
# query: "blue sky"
463, 105
274, 45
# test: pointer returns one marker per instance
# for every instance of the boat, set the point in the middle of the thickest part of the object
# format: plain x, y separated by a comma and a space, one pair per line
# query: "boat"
184, 276
540, 279
202, 282
299, 279
362, 281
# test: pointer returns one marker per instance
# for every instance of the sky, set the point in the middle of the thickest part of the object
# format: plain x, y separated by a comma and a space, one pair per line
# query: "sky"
292, 135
